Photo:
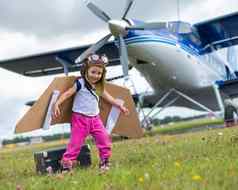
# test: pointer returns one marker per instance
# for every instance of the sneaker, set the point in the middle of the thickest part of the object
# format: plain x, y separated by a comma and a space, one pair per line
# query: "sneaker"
66, 165
104, 165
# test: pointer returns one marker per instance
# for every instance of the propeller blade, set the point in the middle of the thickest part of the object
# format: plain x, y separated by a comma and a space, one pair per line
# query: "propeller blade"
149, 25
98, 12
123, 56
93, 48
127, 8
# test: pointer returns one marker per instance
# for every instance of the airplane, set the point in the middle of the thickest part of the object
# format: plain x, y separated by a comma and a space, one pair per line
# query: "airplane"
170, 55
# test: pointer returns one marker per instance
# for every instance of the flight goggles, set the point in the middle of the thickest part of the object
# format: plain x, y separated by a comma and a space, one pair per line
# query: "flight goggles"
97, 59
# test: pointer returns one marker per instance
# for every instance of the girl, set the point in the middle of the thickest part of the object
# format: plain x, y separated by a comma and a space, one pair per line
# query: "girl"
85, 117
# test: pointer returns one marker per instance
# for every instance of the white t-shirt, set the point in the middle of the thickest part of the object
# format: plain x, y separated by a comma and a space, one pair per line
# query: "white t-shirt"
84, 101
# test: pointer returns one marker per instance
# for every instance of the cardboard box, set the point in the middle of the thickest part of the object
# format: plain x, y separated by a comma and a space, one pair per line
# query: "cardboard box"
128, 126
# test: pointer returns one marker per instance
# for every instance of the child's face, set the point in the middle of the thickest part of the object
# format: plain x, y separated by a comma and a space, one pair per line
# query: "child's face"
94, 74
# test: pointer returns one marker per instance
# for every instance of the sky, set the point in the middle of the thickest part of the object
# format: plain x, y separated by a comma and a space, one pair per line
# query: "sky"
28, 27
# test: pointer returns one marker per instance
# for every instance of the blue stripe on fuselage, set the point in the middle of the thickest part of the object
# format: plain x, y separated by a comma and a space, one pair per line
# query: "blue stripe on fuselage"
159, 39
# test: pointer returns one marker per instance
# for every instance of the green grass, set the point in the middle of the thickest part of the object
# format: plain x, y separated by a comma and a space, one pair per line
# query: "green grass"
185, 126
191, 161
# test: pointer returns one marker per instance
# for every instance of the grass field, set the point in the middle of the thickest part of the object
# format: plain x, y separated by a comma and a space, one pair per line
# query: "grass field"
186, 126
190, 161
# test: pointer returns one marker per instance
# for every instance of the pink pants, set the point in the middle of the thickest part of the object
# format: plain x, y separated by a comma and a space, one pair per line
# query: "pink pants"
81, 127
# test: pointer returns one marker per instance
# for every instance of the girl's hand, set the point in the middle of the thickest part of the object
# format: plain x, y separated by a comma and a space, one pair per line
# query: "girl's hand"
124, 110
56, 110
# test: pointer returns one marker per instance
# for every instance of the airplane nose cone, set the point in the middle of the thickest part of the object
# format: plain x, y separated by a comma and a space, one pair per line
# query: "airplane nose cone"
118, 27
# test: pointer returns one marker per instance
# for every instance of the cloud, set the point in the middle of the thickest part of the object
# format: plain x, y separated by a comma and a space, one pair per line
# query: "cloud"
206, 9
17, 86
49, 19
18, 44
41, 18
9, 115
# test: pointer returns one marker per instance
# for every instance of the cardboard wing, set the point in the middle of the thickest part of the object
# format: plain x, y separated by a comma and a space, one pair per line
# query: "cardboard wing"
125, 125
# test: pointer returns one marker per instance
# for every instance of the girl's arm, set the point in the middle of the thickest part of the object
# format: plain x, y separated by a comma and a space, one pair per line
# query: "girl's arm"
113, 101
67, 94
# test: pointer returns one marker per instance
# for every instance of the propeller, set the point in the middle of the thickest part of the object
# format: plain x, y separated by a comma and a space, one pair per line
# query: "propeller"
127, 8
118, 29
98, 12
123, 55
93, 48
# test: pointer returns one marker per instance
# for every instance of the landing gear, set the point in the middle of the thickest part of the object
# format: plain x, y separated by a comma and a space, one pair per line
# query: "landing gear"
150, 116
229, 91
230, 111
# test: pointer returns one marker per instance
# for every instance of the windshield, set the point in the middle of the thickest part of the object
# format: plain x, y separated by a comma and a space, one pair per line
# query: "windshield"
179, 27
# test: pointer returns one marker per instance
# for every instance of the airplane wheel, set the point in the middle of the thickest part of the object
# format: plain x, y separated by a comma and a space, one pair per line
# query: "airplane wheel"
229, 116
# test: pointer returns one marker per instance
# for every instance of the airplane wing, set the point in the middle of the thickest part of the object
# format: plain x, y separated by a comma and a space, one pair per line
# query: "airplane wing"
218, 33
50, 62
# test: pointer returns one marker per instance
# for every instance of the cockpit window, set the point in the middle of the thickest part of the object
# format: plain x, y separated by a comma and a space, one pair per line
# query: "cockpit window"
184, 28
185, 31
179, 27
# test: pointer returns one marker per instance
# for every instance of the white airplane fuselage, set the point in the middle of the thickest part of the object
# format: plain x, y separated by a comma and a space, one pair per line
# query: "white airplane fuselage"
167, 63
171, 65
